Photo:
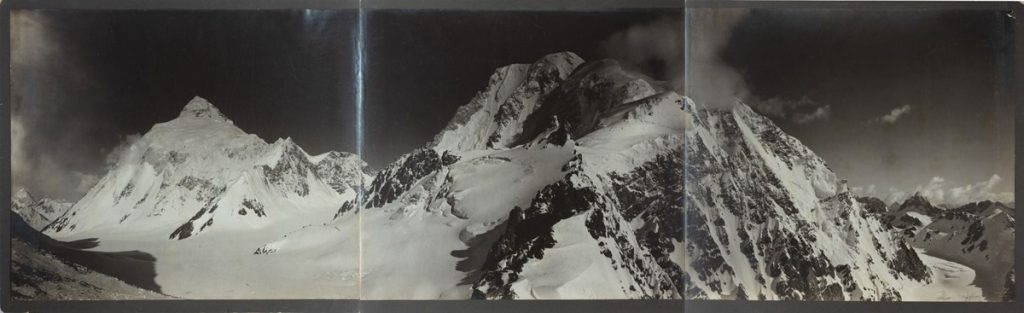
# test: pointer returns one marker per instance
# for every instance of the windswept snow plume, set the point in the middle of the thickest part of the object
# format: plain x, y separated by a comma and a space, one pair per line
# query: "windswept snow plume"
121, 149
655, 47
678, 47
710, 82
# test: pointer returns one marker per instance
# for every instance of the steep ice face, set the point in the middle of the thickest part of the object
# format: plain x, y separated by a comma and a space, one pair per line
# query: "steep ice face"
199, 171
341, 170
496, 115
766, 219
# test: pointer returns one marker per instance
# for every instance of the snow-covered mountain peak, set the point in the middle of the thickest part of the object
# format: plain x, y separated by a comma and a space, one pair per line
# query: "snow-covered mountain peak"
36, 212
201, 108
495, 115
594, 90
201, 161
22, 196
918, 202
564, 61
199, 138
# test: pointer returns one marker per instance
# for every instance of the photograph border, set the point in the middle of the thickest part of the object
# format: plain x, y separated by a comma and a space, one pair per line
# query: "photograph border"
353, 305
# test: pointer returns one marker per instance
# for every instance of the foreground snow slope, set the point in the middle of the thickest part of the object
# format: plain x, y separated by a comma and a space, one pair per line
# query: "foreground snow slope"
950, 282
37, 275
45, 269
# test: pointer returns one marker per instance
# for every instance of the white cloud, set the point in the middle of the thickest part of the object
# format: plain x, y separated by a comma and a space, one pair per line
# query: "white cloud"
894, 115
938, 191
716, 84
20, 164
660, 40
933, 190
980, 191
800, 111
118, 151
895, 195
858, 190
822, 113
85, 181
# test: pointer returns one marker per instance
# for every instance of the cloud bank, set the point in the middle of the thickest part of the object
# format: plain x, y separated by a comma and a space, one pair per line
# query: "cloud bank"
939, 191
800, 111
36, 54
655, 48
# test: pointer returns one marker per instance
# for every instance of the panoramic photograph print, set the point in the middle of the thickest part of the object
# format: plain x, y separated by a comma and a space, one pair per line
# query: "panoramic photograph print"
183, 155
406, 154
523, 155
849, 155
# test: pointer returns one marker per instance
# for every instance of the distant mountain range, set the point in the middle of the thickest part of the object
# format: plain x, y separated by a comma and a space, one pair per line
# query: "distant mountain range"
561, 179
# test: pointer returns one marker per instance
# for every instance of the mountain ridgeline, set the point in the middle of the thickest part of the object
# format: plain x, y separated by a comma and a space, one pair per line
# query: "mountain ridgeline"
560, 179
979, 235
200, 172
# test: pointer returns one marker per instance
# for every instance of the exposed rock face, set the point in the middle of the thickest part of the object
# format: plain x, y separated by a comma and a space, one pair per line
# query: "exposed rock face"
588, 171
766, 220
554, 167
400, 176
531, 231
1010, 286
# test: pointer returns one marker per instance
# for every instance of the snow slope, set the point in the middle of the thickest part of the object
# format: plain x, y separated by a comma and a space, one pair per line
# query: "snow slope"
979, 235
950, 282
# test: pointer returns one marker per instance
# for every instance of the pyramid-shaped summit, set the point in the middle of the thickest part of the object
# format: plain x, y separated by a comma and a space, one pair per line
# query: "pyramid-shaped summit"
201, 108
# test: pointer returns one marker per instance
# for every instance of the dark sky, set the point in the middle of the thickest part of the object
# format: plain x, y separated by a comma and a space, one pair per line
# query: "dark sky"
83, 80
904, 101
422, 65
86, 80
936, 74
